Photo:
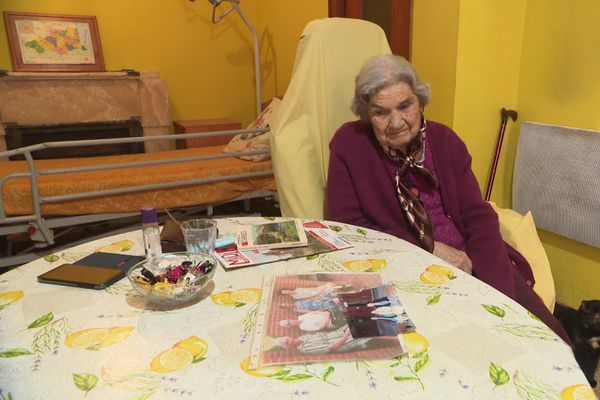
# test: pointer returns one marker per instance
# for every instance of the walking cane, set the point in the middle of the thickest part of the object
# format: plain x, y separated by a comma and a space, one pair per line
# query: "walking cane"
504, 114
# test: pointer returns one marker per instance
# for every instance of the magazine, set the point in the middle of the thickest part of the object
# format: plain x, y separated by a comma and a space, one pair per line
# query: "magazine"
320, 239
271, 235
322, 317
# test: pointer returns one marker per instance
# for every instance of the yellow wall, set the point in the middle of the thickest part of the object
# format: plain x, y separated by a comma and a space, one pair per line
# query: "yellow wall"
433, 53
281, 22
559, 85
209, 69
487, 74
469, 51
539, 57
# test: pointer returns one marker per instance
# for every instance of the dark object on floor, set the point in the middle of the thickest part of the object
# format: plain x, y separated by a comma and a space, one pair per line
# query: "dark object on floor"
583, 327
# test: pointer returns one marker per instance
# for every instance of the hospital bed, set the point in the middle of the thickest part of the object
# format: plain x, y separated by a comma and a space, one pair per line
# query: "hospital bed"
39, 196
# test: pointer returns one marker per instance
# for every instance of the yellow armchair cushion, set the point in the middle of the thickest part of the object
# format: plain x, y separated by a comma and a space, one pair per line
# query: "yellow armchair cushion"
316, 103
519, 231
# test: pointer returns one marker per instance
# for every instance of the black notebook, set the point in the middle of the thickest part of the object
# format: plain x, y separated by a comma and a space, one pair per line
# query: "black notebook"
110, 260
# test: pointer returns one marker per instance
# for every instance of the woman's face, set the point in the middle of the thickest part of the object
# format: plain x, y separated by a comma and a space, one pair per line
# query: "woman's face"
395, 114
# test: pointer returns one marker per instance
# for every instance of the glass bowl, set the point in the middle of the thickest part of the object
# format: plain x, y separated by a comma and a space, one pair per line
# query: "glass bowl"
173, 278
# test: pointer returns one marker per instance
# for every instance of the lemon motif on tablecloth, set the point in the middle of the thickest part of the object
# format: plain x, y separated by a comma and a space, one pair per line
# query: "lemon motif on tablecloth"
237, 297
433, 278
577, 392
7, 298
260, 372
415, 342
246, 295
442, 270
377, 264
87, 338
51, 258
115, 335
370, 265
180, 356
97, 338
194, 345
116, 247
223, 298
171, 360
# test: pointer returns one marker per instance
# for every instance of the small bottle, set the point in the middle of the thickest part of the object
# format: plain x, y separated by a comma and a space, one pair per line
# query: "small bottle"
151, 232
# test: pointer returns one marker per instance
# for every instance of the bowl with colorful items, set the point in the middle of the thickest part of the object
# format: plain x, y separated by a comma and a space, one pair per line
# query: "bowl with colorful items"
173, 278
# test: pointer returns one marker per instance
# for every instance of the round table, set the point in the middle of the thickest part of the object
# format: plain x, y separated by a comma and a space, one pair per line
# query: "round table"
472, 342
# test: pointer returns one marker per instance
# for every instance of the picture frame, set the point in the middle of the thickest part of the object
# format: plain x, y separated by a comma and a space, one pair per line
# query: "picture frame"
53, 42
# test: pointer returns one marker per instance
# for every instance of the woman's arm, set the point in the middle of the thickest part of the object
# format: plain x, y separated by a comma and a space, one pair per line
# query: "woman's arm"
343, 203
338, 343
342, 200
484, 244
325, 321
456, 257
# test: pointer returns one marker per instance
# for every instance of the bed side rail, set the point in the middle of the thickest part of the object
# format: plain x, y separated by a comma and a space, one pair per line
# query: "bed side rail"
33, 173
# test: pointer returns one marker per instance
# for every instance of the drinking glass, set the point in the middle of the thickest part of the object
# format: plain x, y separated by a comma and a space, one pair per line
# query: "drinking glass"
199, 235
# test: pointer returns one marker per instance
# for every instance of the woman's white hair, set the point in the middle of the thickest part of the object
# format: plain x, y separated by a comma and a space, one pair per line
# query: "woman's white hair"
280, 342
381, 71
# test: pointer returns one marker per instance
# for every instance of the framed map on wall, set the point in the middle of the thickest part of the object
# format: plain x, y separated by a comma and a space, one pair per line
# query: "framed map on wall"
53, 43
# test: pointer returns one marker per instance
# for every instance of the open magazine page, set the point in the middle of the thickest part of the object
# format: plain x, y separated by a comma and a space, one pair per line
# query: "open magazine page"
322, 317
271, 235
320, 239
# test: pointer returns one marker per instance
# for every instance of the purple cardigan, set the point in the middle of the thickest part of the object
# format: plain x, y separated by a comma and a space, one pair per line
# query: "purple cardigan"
360, 191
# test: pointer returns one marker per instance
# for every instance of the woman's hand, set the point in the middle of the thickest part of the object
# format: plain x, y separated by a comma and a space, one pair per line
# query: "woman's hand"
455, 257
326, 320
338, 343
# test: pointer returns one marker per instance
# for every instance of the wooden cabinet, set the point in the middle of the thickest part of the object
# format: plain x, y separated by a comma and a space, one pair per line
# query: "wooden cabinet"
205, 125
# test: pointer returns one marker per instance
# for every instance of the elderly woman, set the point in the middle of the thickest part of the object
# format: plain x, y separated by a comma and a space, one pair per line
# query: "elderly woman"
395, 172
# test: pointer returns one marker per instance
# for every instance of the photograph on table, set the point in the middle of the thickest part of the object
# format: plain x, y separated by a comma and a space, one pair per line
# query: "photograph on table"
272, 235
305, 320
375, 312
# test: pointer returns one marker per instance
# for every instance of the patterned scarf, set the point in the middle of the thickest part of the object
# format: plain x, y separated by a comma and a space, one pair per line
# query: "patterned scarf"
413, 208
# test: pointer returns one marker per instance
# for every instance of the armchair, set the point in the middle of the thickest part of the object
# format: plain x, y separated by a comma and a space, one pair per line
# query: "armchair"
317, 102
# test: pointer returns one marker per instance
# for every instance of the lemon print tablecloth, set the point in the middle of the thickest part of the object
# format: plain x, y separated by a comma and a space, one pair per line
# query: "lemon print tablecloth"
472, 342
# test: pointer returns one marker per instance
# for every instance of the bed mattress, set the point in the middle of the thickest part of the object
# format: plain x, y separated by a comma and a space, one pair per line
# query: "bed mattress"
18, 199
